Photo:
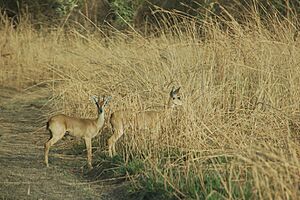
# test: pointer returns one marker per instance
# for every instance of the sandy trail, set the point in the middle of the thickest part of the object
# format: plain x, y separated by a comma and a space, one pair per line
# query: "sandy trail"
22, 171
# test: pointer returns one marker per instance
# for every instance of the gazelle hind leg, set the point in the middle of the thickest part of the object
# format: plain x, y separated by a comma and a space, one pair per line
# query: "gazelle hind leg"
112, 141
51, 142
47, 146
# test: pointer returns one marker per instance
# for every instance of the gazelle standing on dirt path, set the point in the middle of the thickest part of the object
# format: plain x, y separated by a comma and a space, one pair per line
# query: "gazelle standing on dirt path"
123, 119
87, 129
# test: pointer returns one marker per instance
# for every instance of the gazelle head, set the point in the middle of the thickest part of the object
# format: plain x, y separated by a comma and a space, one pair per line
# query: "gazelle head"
101, 102
174, 99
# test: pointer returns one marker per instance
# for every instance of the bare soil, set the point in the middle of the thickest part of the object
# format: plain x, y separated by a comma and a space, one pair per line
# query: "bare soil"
23, 174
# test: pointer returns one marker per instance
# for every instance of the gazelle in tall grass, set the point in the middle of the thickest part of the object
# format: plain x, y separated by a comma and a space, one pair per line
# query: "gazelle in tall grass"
123, 119
87, 129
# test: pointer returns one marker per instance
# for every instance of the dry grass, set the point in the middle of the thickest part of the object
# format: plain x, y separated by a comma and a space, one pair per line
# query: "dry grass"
240, 90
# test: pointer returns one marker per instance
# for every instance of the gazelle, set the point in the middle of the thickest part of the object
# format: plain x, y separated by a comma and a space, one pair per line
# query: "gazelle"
87, 129
123, 119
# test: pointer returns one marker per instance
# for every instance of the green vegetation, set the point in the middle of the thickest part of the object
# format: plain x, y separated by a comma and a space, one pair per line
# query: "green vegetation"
125, 10
139, 12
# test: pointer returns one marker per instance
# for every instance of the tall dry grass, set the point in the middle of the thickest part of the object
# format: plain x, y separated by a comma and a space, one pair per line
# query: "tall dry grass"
236, 134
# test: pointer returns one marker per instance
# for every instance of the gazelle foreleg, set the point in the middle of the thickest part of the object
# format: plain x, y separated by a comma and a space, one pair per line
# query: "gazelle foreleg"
88, 144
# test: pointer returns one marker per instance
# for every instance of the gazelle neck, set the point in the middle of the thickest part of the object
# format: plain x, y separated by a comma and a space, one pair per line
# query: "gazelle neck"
169, 105
100, 119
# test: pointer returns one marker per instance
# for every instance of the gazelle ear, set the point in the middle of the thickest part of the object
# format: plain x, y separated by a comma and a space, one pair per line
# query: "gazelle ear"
177, 90
173, 91
107, 99
94, 98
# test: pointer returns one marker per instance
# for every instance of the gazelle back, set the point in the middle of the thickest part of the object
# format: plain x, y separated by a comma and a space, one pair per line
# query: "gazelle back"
123, 119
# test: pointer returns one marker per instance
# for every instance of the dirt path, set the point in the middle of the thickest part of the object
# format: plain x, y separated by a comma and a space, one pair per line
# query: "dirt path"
22, 171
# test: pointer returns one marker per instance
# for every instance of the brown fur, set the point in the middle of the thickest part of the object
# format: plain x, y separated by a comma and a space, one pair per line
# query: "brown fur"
87, 129
123, 119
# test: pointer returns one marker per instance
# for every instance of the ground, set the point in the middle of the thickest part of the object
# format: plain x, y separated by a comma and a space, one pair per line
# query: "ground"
23, 174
